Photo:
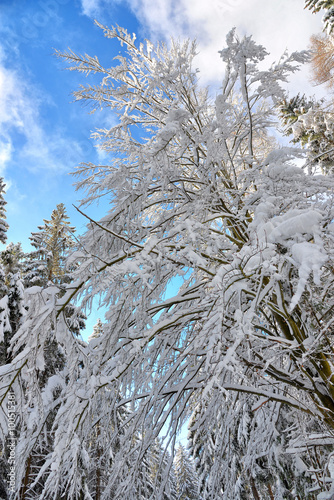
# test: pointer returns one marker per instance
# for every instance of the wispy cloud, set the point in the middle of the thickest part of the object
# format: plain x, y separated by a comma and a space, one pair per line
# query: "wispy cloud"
25, 136
94, 8
90, 7
5, 155
15, 111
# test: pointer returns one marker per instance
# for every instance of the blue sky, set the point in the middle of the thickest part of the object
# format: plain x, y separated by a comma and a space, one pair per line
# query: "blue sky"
44, 136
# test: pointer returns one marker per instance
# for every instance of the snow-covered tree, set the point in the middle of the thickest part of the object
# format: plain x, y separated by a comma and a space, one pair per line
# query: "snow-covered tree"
157, 460
200, 199
44, 271
198, 193
327, 6
310, 123
9, 267
47, 263
12, 306
52, 241
186, 480
97, 330
3, 203
244, 451
11, 312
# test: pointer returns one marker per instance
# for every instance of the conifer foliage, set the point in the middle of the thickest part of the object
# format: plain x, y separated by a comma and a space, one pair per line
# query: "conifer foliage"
51, 243
328, 7
97, 330
11, 286
3, 203
186, 480
24, 277
311, 124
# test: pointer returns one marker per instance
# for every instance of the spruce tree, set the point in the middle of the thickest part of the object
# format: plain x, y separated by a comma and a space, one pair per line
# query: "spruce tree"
3, 203
97, 330
328, 6
46, 266
186, 480
12, 309
52, 241
310, 123
157, 460
5, 326
5, 331
11, 293
47, 263
12, 261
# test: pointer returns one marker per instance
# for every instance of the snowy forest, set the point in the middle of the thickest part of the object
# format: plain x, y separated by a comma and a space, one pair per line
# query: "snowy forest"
214, 270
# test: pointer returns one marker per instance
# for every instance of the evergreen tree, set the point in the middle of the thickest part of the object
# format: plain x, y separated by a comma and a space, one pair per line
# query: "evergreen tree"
52, 242
43, 267
12, 310
311, 124
47, 263
97, 330
5, 335
328, 6
5, 317
12, 296
12, 261
160, 472
186, 480
3, 203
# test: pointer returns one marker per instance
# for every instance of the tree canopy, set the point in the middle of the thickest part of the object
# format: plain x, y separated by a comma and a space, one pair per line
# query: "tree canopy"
215, 266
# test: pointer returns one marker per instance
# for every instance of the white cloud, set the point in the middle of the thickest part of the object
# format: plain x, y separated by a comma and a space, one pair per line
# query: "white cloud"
93, 8
5, 155
24, 136
279, 25
90, 7
11, 113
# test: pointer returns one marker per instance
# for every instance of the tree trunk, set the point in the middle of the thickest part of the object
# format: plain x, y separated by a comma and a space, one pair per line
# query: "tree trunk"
254, 490
270, 492
26, 479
